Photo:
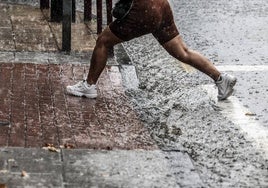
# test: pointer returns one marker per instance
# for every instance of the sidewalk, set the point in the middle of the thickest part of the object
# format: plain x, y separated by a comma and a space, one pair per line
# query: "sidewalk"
65, 141
35, 102
24, 28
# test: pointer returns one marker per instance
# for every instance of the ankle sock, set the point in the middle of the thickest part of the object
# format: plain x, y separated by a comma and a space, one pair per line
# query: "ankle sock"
219, 79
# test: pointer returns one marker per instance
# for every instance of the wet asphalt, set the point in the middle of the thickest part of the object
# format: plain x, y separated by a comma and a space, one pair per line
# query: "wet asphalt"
179, 112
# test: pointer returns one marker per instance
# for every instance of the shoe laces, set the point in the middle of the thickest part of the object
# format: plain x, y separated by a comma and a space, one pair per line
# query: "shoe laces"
81, 85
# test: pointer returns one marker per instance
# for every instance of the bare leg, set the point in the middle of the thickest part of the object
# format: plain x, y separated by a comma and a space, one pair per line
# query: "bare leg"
177, 48
105, 41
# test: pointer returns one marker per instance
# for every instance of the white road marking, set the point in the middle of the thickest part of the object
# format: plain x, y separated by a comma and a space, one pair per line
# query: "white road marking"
242, 68
233, 68
240, 115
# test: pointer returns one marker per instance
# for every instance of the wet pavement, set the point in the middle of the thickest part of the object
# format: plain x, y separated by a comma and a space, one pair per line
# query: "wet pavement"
40, 112
33, 91
50, 139
21, 31
96, 168
227, 142
152, 114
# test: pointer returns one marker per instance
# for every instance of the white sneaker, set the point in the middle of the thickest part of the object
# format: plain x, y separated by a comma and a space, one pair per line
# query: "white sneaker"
82, 88
225, 86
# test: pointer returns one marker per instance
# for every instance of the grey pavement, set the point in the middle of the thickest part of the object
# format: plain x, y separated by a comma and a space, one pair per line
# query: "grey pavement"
92, 168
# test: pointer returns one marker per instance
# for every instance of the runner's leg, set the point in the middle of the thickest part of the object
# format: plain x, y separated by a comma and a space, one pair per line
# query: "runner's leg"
177, 48
106, 40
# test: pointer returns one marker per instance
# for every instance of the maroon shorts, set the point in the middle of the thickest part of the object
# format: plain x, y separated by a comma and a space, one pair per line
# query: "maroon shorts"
147, 16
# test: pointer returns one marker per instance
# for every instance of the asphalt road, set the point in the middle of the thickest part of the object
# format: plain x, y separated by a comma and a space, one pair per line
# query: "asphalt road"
233, 35
226, 140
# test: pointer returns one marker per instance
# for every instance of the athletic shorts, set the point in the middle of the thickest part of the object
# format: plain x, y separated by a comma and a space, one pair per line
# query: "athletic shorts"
144, 17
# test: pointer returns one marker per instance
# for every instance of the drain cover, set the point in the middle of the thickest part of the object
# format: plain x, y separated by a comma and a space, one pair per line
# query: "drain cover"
4, 123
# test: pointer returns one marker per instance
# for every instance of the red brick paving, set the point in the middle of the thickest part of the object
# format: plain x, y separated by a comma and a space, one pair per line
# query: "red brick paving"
33, 99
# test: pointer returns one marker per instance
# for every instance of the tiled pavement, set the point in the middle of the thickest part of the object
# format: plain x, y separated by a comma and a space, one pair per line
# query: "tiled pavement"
111, 147
33, 97
40, 112
25, 28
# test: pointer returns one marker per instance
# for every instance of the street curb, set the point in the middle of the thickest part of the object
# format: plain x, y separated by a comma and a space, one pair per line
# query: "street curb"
127, 69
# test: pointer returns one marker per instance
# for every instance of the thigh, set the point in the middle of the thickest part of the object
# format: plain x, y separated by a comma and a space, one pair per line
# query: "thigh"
167, 29
176, 47
108, 38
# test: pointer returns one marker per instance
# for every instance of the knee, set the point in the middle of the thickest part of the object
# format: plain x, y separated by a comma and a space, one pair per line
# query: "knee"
184, 56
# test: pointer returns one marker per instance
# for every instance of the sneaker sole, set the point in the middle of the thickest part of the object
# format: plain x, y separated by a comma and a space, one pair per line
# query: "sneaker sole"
78, 94
91, 96
231, 84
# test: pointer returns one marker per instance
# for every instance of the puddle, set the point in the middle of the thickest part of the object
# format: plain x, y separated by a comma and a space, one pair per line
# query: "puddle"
180, 115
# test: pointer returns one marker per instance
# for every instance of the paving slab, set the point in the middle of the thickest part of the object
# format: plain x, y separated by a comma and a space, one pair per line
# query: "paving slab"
92, 168
27, 28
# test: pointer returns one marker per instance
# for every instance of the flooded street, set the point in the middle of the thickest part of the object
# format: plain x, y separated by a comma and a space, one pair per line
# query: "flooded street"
226, 140
171, 112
